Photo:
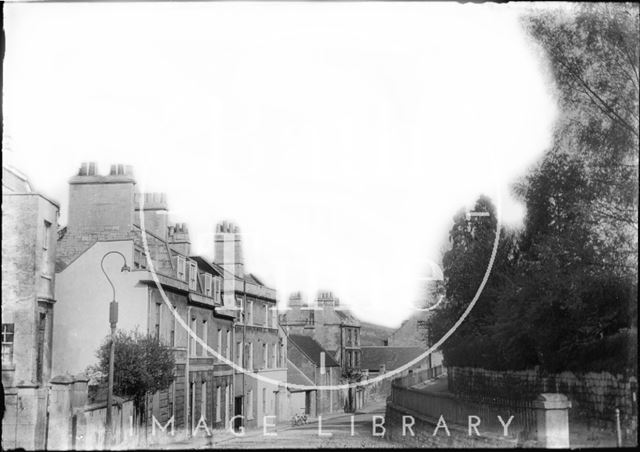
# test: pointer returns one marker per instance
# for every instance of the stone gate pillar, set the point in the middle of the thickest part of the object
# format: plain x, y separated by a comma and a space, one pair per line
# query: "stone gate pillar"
552, 413
60, 412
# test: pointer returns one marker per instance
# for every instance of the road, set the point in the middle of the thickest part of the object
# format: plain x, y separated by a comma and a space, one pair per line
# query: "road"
335, 429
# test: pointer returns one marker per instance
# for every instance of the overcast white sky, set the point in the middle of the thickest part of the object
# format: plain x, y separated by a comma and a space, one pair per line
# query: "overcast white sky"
341, 137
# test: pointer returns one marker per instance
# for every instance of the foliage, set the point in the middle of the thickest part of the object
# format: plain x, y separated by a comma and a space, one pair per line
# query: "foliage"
352, 375
142, 364
563, 292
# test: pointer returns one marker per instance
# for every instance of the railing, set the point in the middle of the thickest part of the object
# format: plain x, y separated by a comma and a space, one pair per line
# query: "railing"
419, 376
457, 410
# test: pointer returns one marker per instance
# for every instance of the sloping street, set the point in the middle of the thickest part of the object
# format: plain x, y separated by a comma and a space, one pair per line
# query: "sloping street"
334, 432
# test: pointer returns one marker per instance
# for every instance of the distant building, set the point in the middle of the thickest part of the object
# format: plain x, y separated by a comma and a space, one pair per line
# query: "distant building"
335, 329
320, 369
105, 219
380, 360
330, 324
413, 333
29, 225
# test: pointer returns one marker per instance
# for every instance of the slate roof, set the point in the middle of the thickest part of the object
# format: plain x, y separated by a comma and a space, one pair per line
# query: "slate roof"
391, 357
346, 317
312, 350
296, 376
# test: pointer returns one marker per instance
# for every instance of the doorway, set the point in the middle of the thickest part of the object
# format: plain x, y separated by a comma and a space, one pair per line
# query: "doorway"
237, 412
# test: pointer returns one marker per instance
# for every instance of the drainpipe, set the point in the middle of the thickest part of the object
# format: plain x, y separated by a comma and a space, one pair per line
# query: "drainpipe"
187, 382
244, 344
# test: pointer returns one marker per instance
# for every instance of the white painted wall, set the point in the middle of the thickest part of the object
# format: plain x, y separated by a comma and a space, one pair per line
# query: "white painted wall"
81, 319
270, 407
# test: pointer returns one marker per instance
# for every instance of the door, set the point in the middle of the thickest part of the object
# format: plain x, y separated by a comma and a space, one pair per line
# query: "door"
237, 412
192, 388
307, 402
276, 409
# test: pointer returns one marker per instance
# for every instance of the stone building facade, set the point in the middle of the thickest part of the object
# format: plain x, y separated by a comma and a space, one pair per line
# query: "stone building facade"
107, 217
335, 329
29, 225
260, 345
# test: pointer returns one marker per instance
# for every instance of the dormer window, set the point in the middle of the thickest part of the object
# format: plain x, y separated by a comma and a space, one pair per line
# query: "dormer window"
208, 285
193, 276
216, 288
182, 268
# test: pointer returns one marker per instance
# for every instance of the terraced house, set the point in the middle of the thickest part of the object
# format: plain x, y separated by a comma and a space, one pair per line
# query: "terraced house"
110, 227
260, 345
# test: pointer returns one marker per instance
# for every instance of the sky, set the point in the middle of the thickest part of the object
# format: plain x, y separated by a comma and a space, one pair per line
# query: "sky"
340, 137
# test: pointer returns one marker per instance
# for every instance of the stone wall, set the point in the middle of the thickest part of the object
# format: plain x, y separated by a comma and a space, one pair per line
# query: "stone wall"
594, 396
422, 431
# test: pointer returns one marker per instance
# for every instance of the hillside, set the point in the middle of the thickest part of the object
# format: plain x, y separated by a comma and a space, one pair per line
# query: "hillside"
372, 334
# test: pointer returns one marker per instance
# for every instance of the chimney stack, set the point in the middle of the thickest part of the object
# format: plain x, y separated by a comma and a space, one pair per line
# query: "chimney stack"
228, 248
155, 211
295, 299
179, 238
101, 204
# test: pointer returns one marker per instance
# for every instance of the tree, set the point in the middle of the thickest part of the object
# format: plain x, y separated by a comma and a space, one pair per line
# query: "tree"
563, 291
580, 243
464, 266
142, 365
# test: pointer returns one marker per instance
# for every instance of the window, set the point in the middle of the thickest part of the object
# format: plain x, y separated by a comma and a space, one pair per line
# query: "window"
250, 363
42, 325
45, 248
265, 356
226, 404
239, 353
192, 341
7, 343
250, 312
47, 235
218, 403
193, 276
156, 330
208, 285
274, 355
172, 397
216, 288
250, 404
227, 348
219, 345
264, 400
172, 337
283, 359
357, 337
203, 400
204, 337
182, 268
